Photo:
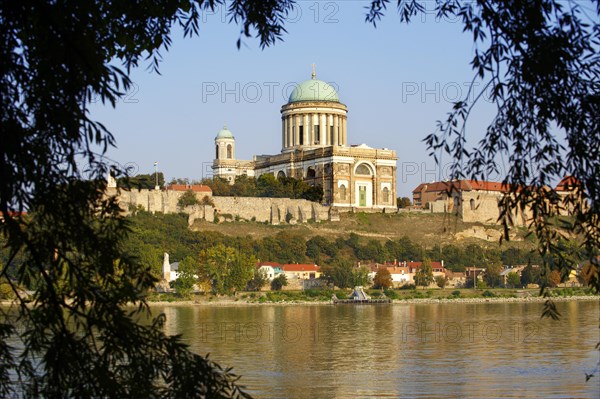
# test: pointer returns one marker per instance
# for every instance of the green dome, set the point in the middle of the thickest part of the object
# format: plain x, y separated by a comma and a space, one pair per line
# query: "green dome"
225, 134
314, 90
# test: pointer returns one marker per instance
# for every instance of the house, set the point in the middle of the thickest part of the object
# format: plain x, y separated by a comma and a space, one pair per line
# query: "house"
271, 269
301, 271
403, 273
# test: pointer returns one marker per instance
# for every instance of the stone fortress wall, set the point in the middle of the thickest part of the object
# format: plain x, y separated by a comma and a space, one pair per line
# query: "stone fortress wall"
270, 210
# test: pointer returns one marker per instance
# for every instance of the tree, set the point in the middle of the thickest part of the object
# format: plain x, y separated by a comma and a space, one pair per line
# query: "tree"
554, 278
279, 282
492, 276
383, 279
530, 275
187, 277
259, 280
318, 246
339, 273
588, 273
541, 66
513, 280
538, 62
79, 341
424, 276
404, 249
142, 181
403, 202
360, 276
188, 198
228, 269
241, 271
441, 281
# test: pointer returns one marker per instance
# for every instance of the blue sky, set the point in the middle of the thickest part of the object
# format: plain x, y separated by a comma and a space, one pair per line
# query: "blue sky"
397, 81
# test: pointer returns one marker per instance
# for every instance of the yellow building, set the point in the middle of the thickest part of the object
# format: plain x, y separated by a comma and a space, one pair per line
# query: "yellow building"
315, 149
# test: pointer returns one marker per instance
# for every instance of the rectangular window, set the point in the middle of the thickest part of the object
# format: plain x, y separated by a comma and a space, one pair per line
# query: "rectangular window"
301, 133
317, 135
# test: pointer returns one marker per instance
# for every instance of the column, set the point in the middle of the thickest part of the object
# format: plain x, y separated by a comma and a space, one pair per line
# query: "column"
284, 134
336, 131
306, 131
335, 134
290, 126
313, 121
296, 129
309, 131
344, 131
323, 130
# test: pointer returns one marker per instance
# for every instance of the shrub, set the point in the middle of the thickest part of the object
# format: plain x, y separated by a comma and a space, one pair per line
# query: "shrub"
488, 294
187, 199
311, 292
392, 294
408, 287
6, 291
440, 281
279, 282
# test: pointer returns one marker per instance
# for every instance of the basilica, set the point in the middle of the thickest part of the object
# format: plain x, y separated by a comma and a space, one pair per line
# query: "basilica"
315, 149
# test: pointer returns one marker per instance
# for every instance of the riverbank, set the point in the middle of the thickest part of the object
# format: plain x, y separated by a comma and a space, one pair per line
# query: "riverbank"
298, 298
227, 301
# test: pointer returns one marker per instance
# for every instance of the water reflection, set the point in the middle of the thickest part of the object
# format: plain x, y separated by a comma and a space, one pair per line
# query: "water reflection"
407, 351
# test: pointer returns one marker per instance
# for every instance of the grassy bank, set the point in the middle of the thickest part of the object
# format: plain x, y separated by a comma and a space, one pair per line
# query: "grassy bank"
324, 295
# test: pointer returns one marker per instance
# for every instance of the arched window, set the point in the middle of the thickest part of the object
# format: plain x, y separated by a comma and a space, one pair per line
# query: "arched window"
281, 174
229, 151
385, 195
456, 202
310, 173
472, 204
343, 192
363, 169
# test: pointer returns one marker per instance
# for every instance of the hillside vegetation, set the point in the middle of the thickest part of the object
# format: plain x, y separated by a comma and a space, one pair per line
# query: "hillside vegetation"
356, 238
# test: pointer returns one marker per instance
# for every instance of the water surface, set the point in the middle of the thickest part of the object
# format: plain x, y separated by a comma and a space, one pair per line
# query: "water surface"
487, 350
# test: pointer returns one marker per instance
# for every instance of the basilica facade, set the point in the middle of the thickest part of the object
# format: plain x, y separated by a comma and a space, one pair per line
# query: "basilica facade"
315, 149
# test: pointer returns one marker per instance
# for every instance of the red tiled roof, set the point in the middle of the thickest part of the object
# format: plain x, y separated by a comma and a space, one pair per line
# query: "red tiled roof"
462, 185
13, 214
300, 267
198, 188
419, 188
416, 265
272, 264
567, 184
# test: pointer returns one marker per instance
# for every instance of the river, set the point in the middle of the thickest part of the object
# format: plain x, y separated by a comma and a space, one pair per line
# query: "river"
456, 350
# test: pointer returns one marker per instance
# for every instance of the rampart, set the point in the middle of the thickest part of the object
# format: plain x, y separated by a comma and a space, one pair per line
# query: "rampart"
260, 209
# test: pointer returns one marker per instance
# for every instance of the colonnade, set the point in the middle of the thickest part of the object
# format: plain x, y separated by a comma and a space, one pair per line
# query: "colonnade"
318, 129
